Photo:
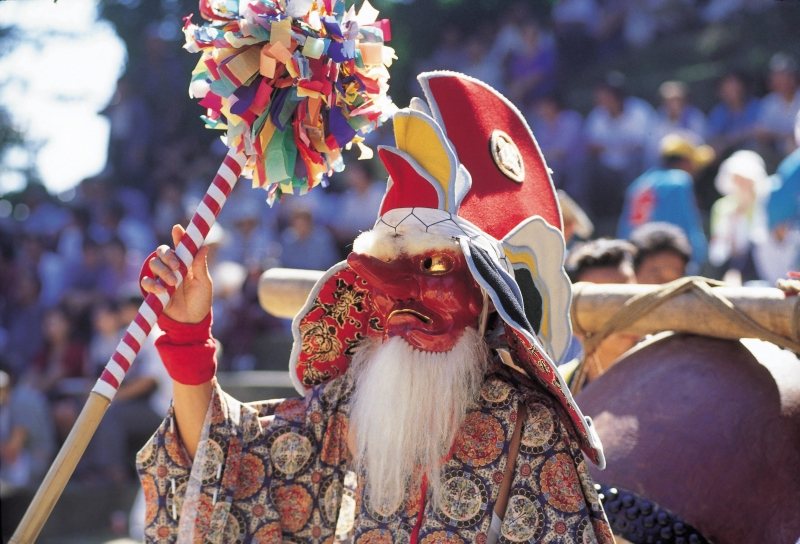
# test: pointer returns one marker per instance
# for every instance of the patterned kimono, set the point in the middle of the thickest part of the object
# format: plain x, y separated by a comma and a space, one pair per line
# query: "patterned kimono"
277, 472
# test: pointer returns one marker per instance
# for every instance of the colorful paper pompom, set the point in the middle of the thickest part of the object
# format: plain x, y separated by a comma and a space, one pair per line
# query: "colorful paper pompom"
293, 82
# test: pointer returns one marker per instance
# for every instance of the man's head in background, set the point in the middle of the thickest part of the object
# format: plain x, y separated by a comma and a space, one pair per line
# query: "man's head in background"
662, 253
358, 176
783, 75
674, 97
679, 153
602, 261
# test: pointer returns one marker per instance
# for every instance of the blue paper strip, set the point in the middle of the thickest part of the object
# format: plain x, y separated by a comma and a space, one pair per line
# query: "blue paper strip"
340, 128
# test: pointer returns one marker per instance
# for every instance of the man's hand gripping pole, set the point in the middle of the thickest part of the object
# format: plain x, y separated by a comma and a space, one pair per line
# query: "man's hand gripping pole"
107, 385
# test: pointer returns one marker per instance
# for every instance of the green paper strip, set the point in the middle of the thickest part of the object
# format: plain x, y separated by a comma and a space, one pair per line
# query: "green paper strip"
281, 154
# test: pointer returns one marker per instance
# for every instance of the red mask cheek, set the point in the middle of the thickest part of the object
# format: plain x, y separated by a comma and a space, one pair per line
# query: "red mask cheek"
433, 309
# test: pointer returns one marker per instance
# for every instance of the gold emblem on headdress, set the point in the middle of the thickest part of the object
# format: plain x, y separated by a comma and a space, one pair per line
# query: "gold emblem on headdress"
506, 156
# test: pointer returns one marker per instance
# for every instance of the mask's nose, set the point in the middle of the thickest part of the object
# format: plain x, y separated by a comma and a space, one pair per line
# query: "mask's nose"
395, 278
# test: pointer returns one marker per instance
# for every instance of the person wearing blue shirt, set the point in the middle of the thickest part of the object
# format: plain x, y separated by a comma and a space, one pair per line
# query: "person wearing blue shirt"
783, 212
666, 194
784, 202
731, 123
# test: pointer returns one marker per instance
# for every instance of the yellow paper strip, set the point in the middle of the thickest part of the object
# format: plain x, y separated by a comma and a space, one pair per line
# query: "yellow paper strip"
221, 54
278, 51
244, 65
371, 53
268, 65
313, 48
281, 32
302, 91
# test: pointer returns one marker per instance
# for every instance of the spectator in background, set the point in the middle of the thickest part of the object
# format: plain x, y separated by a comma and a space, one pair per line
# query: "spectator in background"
228, 278
610, 27
50, 268
738, 219
781, 251
168, 211
662, 253
575, 23
531, 66
70, 240
139, 406
601, 261
448, 55
617, 130
63, 356
481, 65
23, 318
105, 335
305, 245
509, 36
358, 206
87, 276
784, 203
249, 242
130, 133
666, 194
27, 437
559, 133
675, 116
136, 235
775, 127
676, 113
121, 271
731, 123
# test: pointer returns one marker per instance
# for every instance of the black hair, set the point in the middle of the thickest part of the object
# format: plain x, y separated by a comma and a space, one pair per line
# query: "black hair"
658, 237
600, 253
131, 300
116, 241
615, 83
673, 162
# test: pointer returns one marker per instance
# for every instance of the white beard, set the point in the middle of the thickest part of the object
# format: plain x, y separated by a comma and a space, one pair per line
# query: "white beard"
406, 409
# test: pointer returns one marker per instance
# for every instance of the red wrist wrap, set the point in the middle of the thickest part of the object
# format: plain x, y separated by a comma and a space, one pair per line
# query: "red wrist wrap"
187, 350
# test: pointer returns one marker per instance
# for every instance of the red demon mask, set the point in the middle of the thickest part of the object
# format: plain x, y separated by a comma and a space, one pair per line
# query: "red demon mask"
427, 299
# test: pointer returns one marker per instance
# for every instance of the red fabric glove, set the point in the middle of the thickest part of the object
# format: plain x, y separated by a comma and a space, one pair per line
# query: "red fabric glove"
187, 350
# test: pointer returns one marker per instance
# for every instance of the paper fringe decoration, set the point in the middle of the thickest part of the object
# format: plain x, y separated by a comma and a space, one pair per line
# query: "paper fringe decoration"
293, 82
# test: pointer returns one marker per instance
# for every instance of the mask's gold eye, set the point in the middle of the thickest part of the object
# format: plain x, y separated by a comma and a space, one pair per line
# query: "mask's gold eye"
439, 263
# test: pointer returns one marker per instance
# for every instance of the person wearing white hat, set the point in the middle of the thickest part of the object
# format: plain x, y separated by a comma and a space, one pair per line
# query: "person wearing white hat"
738, 219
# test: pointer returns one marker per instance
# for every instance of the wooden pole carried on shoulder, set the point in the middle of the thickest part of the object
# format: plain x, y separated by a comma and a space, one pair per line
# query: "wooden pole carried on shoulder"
283, 291
117, 367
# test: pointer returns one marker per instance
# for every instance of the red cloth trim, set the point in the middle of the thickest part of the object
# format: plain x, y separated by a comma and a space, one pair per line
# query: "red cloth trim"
414, 539
469, 113
408, 189
187, 350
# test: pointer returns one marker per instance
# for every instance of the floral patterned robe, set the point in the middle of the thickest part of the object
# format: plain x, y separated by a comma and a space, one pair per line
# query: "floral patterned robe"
276, 472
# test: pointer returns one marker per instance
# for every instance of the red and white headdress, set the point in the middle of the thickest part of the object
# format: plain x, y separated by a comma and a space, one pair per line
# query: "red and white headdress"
466, 169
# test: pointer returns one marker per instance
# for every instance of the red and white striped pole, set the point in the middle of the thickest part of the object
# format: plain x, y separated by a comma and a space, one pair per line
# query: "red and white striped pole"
153, 305
107, 385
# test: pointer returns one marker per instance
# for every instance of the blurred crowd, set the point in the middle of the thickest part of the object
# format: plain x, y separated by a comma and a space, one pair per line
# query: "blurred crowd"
627, 173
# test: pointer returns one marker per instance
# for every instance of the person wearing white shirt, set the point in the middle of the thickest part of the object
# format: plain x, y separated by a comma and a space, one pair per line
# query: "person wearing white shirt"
775, 126
617, 131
